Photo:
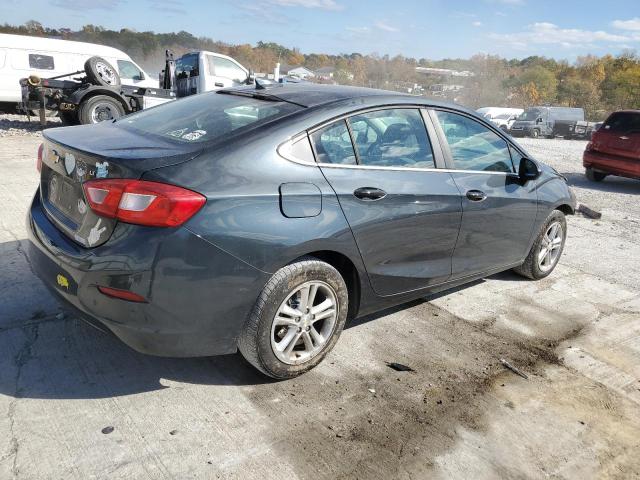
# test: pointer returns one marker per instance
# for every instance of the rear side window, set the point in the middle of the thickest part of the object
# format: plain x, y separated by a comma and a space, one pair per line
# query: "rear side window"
206, 117
187, 66
623, 122
392, 138
332, 144
473, 146
41, 62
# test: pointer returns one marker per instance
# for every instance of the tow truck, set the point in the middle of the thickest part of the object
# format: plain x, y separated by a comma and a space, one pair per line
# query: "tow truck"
96, 94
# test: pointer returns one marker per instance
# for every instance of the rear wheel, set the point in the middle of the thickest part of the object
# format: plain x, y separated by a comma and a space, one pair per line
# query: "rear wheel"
297, 319
547, 248
100, 108
594, 176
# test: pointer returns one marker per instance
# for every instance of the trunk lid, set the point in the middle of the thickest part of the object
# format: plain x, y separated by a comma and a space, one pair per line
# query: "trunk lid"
74, 155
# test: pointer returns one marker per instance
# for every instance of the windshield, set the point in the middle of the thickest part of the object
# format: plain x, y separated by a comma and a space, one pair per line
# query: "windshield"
206, 117
504, 116
530, 115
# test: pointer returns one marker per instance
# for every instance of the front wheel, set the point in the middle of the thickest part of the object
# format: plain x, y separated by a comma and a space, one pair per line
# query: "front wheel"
535, 133
547, 248
296, 320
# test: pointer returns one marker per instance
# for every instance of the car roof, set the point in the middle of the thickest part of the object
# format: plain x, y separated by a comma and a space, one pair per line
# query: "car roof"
315, 95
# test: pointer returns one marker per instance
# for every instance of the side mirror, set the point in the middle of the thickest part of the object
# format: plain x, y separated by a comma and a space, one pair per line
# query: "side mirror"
141, 76
539, 120
528, 170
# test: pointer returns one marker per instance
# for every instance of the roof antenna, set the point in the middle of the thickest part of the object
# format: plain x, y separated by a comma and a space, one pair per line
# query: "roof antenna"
259, 86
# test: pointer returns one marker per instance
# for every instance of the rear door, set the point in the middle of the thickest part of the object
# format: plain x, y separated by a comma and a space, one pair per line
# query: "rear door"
403, 211
498, 213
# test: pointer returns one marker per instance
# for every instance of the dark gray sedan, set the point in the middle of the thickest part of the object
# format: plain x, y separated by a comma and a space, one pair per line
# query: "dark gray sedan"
262, 219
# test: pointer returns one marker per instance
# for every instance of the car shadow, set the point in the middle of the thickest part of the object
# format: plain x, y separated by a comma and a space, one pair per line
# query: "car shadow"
47, 355
611, 184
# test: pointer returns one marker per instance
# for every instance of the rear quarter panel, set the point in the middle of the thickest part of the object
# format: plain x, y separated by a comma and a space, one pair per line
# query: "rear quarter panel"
243, 214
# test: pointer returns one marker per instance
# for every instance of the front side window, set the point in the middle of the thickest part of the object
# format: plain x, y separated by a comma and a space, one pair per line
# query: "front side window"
128, 70
221, 67
41, 62
392, 138
473, 146
332, 144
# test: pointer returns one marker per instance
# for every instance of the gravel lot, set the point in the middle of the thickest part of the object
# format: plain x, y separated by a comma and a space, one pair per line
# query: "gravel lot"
77, 403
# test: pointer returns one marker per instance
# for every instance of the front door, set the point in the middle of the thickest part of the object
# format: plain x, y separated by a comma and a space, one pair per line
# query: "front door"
498, 212
404, 213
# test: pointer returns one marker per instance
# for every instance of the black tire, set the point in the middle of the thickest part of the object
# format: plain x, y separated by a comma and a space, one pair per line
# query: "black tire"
535, 133
101, 72
69, 118
100, 108
594, 176
531, 268
255, 339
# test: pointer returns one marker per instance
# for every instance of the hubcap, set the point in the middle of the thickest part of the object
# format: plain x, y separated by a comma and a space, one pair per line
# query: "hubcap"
102, 112
106, 73
551, 247
304, 322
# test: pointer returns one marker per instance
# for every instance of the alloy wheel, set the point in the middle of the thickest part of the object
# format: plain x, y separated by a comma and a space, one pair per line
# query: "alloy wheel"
550, 247
304, 322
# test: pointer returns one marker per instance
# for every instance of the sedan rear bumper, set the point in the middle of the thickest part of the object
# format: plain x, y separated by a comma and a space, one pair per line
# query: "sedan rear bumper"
198, 295
611, 164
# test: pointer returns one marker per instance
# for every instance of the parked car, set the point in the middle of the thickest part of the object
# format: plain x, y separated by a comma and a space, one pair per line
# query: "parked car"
261, 219
540, 121
502, 117
614, 148
22, 56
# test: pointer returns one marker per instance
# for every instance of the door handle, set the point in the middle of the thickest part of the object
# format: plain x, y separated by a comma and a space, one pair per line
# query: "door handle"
370, 193
476, 195
219, 84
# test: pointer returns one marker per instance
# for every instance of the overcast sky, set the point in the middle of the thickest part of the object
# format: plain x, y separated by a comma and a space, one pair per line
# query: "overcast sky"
418, 28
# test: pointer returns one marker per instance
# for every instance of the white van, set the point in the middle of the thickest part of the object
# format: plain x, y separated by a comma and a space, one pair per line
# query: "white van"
21, 56
502, 117
203, 71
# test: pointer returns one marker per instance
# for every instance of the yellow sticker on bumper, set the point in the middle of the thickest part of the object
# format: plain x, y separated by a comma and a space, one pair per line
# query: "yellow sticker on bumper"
63, 281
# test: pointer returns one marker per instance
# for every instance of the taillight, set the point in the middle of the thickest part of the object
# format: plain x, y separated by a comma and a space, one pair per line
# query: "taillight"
142, 202
39, 161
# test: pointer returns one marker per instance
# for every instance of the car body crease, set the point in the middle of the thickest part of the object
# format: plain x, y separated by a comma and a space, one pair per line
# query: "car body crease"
227, 252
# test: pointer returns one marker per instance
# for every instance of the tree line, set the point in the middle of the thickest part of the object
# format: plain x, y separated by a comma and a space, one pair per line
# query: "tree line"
597, 84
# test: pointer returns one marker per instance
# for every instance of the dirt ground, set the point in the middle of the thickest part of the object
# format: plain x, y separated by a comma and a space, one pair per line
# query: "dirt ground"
459, 414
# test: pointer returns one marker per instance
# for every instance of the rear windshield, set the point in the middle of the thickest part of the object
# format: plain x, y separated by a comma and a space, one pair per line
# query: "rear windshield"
206, 117
623, 122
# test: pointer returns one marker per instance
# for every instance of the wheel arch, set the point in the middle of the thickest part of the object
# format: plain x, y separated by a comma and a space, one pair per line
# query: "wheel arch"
83, 95
347, 270
565, 208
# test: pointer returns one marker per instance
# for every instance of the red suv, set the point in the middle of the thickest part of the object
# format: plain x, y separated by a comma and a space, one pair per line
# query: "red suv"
615, 148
